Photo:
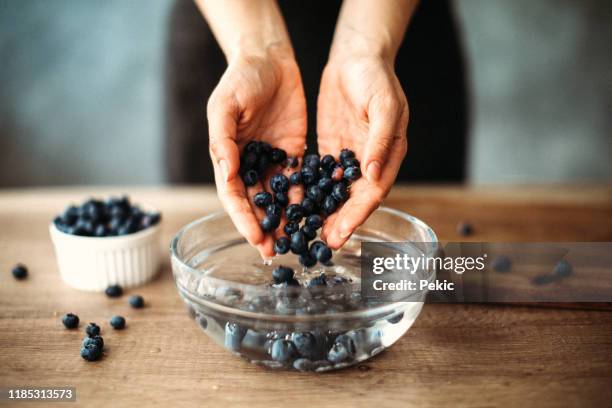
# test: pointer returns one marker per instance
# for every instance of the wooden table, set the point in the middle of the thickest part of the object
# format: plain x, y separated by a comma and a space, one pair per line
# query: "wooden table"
471, 355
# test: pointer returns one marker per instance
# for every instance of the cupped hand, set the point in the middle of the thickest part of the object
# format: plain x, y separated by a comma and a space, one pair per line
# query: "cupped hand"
259, 97
362, 107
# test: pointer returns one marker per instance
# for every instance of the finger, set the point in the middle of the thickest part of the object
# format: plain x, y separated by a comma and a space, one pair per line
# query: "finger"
365, 197
384, 130
233, 198
222, 119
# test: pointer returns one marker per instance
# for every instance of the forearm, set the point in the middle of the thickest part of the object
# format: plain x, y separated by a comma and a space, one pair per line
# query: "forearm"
246, 26
372, 27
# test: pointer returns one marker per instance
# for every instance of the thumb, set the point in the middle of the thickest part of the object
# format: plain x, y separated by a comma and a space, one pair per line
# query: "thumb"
222, 139
384, 117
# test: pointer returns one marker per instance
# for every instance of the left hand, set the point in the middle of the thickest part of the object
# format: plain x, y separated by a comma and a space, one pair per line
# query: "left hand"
362, 107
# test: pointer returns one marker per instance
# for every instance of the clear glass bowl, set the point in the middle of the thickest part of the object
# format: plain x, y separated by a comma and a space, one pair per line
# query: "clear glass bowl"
227, 289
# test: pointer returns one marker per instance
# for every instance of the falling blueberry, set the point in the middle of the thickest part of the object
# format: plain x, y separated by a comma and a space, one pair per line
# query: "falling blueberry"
329, 205
294, 213
307, 260
250, 178
340, 191
314, 221
298, 243
309, 175
296, 178
282, 274
309, 232
282, 245
274, 210
279, 183
291, 227
282, 199
270, 223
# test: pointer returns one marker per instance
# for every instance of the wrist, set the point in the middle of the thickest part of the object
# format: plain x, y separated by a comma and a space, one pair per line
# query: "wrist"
256, 45
350, 43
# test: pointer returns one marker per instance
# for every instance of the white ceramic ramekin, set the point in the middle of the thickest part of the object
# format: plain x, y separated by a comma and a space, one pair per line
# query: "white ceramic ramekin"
92, 263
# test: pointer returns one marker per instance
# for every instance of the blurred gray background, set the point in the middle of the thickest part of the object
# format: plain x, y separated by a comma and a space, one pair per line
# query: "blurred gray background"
81, 90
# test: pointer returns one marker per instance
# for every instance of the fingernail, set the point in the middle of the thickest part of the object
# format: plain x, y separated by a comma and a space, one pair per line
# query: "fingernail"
224, 169
373, 172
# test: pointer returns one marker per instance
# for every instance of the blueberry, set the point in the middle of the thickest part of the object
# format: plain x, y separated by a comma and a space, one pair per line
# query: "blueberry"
282, 245
114, 291
298, 242
342, 350
291, 227
305, 344
252, 146
270, 223
340, 192
294, 213
563, 269
326, 184
262, 199
350, 162
150, 219
117, 322
352, 173
282, 274
346, 154
307, 260
296, 178
136, 301
250, 178
320, 251
501, 263
309, 232
233, 336
248, 161
292, 162
312, 160
303, 364
324, 254
329, 205
328, 162
101, 230
464, 228
314, 221
84, 227
308, 206
71, 321
20, 271
309, 175
97, 341
281, 199
274, 210
266, 148
283, 350
92, 329
279, 183
320, 280
91, 352
314, 193
278, 156
262, 165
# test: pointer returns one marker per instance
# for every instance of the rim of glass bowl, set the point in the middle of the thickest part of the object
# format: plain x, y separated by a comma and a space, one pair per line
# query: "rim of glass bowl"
360, 313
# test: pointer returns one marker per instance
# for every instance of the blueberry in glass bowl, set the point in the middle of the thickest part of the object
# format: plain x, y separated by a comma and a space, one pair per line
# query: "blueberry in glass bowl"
282, 315
100, 243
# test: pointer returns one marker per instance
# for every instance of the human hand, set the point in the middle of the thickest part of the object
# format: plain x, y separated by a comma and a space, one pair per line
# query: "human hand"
260, 97
362, 107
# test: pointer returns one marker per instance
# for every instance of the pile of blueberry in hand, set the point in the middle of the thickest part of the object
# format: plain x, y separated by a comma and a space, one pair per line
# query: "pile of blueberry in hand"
113, 217
326, 187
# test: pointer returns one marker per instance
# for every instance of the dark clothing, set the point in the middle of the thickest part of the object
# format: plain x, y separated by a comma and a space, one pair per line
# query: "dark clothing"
429, 67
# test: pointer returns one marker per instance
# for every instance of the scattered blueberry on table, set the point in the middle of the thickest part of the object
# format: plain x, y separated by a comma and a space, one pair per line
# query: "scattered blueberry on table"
96, 218
562, 269
114, 291
92, 329
91, 352
502, 264
70, 321
465, 229
326, 183
20, 272
117, 322
136, 301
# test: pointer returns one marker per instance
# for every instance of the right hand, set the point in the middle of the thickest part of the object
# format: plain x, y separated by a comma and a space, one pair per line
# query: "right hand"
260, 97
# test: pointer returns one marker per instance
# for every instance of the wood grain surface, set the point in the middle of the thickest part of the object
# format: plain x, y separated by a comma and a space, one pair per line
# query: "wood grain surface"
454, 355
